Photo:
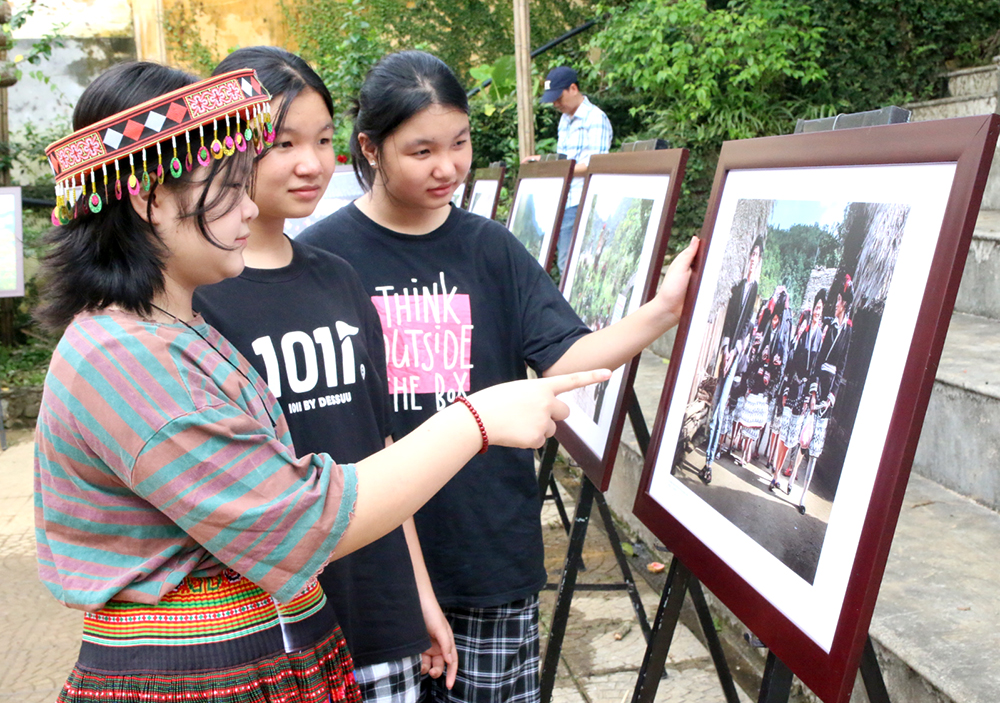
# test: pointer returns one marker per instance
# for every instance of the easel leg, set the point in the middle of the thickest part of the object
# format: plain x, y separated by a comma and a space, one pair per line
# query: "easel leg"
667, 615
776, 687
616, 546
871, 674
557, 499
638, 423
560, 616
545, 465
714, 644
547, 480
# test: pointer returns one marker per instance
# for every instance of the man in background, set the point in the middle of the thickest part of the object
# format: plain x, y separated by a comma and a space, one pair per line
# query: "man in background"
584, 130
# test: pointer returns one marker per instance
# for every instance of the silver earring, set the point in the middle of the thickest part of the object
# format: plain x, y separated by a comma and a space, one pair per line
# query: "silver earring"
372, 164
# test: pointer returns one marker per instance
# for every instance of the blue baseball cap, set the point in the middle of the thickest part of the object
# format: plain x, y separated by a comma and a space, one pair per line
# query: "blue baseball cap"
558, 80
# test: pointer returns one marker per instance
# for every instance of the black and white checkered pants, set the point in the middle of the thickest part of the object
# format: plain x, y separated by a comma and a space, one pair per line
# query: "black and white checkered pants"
390, 682
497, 655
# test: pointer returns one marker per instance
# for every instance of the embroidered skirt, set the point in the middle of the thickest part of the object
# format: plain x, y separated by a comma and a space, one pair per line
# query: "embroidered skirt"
754, 415
791, 427
220, 639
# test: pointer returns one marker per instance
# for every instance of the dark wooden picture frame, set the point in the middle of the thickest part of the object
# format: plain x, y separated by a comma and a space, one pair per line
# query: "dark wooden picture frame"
594, 443
703, 538
460, 198
11, 243
342, 190
530, 174
484, 175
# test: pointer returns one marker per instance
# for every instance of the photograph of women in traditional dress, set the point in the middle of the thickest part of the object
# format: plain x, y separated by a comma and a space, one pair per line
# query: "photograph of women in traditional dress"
534, 214
827, 273
796, 313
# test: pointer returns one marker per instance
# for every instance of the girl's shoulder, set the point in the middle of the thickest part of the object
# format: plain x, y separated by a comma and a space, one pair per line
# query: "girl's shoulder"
147, 361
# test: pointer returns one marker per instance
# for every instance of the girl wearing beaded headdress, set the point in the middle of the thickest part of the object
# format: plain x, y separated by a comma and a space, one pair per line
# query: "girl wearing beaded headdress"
170, 506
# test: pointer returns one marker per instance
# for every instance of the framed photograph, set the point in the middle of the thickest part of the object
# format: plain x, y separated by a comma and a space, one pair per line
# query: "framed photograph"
614, 265
343, 189
486, 191
458, 198
11, 239
803, 364
539, 203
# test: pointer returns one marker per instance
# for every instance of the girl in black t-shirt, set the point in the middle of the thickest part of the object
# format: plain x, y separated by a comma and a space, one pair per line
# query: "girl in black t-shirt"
441, 277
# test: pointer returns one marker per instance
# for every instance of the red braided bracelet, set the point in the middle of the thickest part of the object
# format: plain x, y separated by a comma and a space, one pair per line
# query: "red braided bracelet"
482, 428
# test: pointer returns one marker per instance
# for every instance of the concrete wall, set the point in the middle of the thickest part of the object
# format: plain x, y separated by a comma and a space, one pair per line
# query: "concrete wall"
224, 25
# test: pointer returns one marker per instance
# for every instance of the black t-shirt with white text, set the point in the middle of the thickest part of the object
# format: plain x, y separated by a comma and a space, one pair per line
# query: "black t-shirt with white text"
463, 308
313, 334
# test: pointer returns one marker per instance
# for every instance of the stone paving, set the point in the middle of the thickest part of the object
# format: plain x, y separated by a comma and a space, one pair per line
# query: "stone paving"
604, 646
39, 638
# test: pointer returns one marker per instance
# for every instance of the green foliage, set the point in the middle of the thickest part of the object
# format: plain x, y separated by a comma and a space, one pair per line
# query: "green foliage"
340, 40
181, 22
791, 256
702, 76
609, 258
881, 53
40, 49
711, 75
26, 364
502, 75
24, 155
465, 33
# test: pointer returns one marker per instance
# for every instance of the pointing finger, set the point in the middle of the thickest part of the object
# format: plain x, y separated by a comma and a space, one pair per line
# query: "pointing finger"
567, 382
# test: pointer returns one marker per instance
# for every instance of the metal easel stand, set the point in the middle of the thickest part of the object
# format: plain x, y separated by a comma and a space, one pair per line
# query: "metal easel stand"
574, 557
548, 487
776, 686
680, 581
776, 683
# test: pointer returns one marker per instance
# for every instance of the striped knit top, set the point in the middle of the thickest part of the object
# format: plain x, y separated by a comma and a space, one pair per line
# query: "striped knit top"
155, 459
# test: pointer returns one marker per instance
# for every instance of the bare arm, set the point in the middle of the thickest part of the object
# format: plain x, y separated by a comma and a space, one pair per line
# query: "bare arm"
395, 482
442, 657
615, 345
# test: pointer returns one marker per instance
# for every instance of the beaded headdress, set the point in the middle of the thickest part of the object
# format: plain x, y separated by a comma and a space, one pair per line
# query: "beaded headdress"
235, 102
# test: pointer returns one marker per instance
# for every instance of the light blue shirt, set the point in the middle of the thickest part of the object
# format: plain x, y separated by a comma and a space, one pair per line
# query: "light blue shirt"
584, 133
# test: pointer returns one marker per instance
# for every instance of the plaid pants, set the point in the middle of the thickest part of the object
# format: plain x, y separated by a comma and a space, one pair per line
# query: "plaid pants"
497, 653
390, 682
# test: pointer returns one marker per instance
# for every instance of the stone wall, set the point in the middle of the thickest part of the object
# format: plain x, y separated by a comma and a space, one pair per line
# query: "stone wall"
20, 406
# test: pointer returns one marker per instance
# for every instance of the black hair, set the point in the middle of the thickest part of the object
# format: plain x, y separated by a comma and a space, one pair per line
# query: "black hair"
115, 257
820, 296
847, 292
395, 89
758, 244
282, 73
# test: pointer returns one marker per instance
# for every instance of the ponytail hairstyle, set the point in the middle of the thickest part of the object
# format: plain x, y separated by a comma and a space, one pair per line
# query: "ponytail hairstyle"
115, 256
395, 89
283, 74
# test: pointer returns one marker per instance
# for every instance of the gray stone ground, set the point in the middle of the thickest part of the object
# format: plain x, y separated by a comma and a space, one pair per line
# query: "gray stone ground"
40, 637
603, 649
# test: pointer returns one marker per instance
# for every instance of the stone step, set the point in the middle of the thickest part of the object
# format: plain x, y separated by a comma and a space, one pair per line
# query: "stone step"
945, 108
980, 80
936, 625
979, 293
960, 443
